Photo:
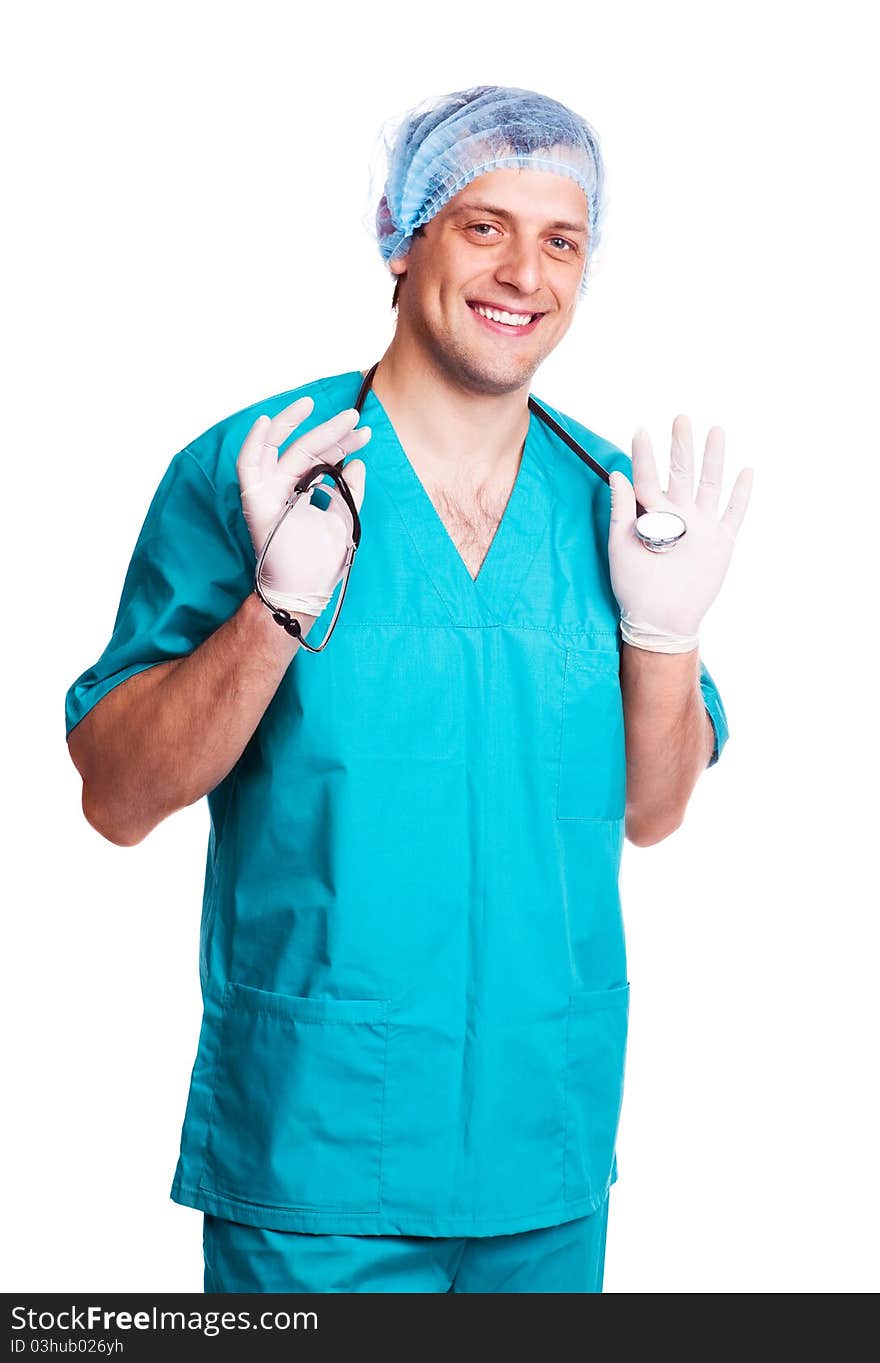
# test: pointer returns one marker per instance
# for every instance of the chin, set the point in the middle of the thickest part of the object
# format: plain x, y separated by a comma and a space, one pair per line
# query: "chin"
485, 373
502, 375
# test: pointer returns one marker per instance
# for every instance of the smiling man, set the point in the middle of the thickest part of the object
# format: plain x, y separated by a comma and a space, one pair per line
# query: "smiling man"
487, 289
410, 1069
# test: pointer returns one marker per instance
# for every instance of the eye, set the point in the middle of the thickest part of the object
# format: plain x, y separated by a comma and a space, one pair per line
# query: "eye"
483, 229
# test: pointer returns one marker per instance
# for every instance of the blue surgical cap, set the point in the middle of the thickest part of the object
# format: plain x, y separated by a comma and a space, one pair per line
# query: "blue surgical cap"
438, 147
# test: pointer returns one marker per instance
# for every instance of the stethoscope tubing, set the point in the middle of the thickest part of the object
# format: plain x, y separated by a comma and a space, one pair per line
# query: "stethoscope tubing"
334, 471
544, 416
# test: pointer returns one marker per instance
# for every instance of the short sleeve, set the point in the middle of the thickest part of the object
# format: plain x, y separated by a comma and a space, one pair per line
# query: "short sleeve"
189, 573
715, 708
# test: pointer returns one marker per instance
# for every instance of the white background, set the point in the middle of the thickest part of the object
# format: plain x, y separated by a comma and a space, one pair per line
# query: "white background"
184, 236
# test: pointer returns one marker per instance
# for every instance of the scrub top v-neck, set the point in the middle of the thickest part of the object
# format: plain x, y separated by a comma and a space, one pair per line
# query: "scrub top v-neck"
412, 960
488, 598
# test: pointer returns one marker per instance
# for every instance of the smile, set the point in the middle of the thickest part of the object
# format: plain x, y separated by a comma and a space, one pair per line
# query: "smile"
503, 322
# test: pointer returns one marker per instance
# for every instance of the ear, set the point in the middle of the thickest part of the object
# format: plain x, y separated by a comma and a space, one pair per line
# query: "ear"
398, 265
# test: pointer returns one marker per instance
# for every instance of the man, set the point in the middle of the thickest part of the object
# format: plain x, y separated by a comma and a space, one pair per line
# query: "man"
410, 1068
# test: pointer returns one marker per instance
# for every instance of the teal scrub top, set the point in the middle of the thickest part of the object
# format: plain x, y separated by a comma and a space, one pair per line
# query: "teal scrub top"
412, 951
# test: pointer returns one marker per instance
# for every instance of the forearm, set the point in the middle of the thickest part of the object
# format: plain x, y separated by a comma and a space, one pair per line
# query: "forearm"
166, 736
669, 738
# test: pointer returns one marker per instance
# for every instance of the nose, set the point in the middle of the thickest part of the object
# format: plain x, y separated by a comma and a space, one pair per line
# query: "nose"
521, 265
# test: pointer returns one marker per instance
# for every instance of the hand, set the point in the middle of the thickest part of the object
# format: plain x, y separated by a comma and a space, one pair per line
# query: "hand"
663, 597
307, 556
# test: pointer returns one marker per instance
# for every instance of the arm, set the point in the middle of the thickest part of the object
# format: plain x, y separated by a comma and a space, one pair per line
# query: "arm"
164, 737
195, 658
670, 739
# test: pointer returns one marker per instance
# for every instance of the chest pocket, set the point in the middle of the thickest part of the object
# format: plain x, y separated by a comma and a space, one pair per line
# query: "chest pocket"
592, 744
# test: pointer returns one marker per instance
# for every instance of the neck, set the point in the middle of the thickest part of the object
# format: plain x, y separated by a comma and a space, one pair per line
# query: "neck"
447, 429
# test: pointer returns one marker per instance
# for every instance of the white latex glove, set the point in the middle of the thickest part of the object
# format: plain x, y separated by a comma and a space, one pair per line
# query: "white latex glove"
307, 556
663, 597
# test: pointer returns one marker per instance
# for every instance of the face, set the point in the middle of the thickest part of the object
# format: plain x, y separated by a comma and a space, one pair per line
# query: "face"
514, 240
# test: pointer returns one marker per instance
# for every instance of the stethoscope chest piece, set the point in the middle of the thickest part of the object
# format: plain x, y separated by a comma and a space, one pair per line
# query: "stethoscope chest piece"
660, 530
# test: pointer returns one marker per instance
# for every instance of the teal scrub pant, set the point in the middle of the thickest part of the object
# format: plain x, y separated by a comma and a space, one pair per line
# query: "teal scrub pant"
565, 1258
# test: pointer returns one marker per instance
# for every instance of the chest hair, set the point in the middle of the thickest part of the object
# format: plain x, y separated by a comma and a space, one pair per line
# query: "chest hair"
471, 517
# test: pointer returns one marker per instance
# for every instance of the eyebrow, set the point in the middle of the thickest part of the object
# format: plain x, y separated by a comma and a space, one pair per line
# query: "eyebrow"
494, 210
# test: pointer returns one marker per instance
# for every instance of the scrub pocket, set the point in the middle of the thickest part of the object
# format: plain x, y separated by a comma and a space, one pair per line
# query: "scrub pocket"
595, 1059
296, 1117
592, 746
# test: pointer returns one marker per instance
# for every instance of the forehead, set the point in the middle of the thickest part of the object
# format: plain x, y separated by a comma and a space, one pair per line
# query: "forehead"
534, 197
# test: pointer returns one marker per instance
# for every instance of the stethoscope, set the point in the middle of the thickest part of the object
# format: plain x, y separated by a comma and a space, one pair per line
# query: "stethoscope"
658, 531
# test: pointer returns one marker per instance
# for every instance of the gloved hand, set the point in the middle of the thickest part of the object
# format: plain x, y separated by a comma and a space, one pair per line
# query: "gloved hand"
306, 558
663, 597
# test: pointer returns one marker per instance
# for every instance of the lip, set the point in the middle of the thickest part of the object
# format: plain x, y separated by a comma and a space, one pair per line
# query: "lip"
501, 328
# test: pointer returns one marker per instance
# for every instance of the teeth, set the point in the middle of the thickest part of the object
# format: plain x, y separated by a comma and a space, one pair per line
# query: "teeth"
512, 319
